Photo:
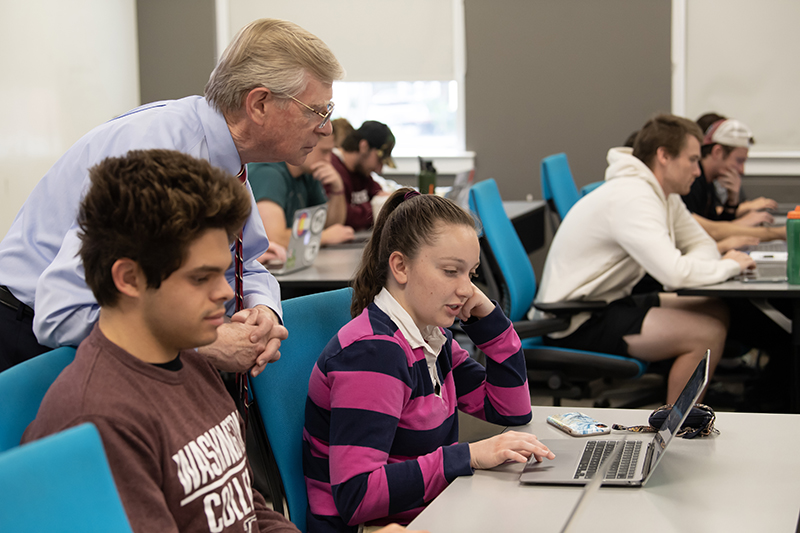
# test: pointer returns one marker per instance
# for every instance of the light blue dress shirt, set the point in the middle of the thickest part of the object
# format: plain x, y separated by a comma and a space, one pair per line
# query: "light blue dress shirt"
38, 256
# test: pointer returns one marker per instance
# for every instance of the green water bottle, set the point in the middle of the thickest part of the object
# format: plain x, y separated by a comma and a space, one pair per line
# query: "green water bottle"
793, 246
427, 177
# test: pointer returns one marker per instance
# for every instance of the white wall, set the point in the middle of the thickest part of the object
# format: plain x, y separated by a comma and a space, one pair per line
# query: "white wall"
66, 67
385, 40
742, 62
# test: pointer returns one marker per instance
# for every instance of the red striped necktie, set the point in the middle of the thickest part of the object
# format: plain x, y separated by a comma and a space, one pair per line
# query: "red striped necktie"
242, 379
238, 257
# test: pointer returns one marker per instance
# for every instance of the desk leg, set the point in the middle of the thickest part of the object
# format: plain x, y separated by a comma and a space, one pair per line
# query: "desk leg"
795, 364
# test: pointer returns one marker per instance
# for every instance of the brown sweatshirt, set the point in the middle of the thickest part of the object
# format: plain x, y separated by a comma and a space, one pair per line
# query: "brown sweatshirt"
174, 439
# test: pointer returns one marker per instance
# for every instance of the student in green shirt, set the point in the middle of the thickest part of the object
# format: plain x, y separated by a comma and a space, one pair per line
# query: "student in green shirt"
281, 189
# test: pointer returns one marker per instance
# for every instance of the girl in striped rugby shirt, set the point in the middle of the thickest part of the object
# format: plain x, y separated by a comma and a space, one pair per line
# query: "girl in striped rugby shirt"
381, 430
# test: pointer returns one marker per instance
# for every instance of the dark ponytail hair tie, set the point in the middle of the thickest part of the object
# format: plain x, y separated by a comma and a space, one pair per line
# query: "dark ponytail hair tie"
410, 194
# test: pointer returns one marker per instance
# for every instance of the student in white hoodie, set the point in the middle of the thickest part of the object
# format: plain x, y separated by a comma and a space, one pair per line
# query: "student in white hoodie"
635, 224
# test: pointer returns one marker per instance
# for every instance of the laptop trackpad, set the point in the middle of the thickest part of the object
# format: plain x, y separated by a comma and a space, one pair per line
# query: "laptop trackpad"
561, 468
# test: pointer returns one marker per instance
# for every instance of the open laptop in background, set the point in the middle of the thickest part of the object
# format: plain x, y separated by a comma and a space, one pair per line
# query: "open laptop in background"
783, 208
304, 242
459, 193
770, 258
359, 240
574, 464
765, 248
765, 272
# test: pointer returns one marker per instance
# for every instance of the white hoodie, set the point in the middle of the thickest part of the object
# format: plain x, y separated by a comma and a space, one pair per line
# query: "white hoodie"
624, 228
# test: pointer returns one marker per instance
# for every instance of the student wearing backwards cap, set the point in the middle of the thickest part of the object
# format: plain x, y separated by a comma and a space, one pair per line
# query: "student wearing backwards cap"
732, 223
363, 152
634, 224
707, 122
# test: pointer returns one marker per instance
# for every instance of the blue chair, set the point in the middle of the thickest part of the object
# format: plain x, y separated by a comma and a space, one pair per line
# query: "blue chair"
22, 388
586, 189
60, 483
567, 372
282, 388
558, 186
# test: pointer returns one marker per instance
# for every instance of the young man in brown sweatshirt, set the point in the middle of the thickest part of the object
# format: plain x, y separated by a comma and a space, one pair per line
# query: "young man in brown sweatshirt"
156, 227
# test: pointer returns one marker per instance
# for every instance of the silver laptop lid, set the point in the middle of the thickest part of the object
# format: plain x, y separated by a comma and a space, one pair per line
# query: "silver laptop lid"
680, 410
304, 242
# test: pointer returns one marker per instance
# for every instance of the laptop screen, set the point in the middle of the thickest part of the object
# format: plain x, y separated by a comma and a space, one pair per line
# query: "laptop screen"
684, 403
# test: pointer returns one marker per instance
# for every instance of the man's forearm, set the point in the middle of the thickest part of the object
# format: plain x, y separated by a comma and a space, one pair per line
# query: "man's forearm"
337, 209
720, 230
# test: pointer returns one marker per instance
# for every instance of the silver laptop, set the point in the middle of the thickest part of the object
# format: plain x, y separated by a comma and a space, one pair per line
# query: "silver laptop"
770, 258
577, 461
572, 523
359, 240
304, 242
765, 272
763, 249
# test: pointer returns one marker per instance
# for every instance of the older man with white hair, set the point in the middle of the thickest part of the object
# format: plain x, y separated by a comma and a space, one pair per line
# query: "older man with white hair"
268, 99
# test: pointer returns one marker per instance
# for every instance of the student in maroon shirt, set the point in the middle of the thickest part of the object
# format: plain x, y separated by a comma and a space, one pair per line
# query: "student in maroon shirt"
156, 228
363, 152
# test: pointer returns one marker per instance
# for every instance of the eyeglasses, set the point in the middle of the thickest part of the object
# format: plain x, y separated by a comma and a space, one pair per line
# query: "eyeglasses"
325, 116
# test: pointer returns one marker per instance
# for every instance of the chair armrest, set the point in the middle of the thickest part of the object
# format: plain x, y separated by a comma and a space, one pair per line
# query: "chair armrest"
570, 308
541, 326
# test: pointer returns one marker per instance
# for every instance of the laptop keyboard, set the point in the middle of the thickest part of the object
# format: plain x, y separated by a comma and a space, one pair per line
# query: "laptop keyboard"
595, 451
769, 246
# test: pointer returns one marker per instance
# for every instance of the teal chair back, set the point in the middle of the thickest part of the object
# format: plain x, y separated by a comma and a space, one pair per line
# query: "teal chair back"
517, 284
558, 185
586, 189
22, 388
60, 483
282, 388
519, 281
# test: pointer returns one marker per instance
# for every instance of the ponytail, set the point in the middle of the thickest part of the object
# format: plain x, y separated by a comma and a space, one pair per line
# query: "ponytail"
406, 221
371, 275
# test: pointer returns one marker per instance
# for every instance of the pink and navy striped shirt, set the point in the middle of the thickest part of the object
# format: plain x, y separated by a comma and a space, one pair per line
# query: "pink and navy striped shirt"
378, 443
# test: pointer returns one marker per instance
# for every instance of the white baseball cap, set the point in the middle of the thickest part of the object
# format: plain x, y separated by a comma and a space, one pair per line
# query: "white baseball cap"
728, 132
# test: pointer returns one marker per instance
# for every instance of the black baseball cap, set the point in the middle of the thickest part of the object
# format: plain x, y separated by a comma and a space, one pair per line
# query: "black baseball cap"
378, 136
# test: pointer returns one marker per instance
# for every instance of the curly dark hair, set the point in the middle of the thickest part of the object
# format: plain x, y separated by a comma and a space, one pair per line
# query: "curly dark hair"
149, 206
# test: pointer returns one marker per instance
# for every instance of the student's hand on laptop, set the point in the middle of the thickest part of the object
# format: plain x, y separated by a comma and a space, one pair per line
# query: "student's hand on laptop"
336, 234
758, 204
745, 261
508, 446
736, 242
275, 255
755, 218
265, 336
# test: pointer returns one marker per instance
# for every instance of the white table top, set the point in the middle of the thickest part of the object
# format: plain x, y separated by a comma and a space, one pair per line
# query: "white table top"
335, 266
747, 478
742, 289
